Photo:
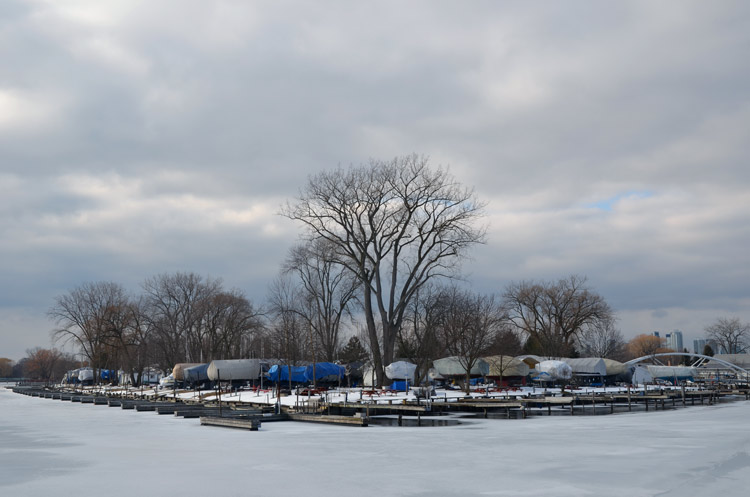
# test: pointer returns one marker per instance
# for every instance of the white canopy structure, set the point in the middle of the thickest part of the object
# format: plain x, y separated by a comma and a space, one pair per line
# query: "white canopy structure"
641, 375
587, 366
614, 367
451, 366
503, 365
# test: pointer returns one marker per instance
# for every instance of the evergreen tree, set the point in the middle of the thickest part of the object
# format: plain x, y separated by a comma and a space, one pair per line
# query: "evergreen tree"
353, 351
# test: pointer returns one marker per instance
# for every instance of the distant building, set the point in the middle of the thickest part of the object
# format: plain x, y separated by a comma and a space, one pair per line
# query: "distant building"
674, 340
656, 333
699, 345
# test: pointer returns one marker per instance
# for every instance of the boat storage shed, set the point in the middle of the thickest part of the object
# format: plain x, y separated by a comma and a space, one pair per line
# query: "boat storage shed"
507, 366
451, 366
587, 366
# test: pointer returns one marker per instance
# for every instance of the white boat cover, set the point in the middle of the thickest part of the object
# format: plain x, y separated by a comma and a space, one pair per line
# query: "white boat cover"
503, 365
671, 372
587, 366
451, 366
234, 369
641, 375
166, 382
557, 370
401, 370
614, 367
85, 374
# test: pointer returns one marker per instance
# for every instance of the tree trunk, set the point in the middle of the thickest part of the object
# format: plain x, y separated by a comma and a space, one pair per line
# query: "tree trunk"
377, 358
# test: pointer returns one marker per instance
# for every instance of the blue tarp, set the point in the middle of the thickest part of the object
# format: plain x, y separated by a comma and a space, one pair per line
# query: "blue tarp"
281, 373
196, 374
304, 374
400, 385
108, 374
326, 371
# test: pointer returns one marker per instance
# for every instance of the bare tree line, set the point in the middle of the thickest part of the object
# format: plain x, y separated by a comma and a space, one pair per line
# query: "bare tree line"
179, 317
381, 248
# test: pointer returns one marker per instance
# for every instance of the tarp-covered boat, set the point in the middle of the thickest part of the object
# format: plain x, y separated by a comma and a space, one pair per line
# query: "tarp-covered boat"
324, 371
179, 368
401, 370
196, 374
234, 369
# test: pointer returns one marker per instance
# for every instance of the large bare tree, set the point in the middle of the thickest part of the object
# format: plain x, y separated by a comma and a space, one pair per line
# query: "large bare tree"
327, 288
395, 225
554, 313
731, 335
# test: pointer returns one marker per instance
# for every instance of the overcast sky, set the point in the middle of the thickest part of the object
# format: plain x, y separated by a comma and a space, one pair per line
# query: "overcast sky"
610, 139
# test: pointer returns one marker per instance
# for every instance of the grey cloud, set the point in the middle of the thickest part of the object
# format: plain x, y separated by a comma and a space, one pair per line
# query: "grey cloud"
197, 120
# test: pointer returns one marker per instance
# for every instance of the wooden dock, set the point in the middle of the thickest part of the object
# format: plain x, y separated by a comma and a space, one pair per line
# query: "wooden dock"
251, 424
381, 407
338, 420
574, 403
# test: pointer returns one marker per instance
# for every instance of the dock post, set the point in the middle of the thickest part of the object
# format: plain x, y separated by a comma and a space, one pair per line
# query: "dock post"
629, 405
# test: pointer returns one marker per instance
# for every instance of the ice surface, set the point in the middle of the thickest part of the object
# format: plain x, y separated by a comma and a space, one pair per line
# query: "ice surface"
56, 448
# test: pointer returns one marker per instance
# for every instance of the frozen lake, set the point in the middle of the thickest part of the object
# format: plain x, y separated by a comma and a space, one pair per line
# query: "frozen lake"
54, 448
